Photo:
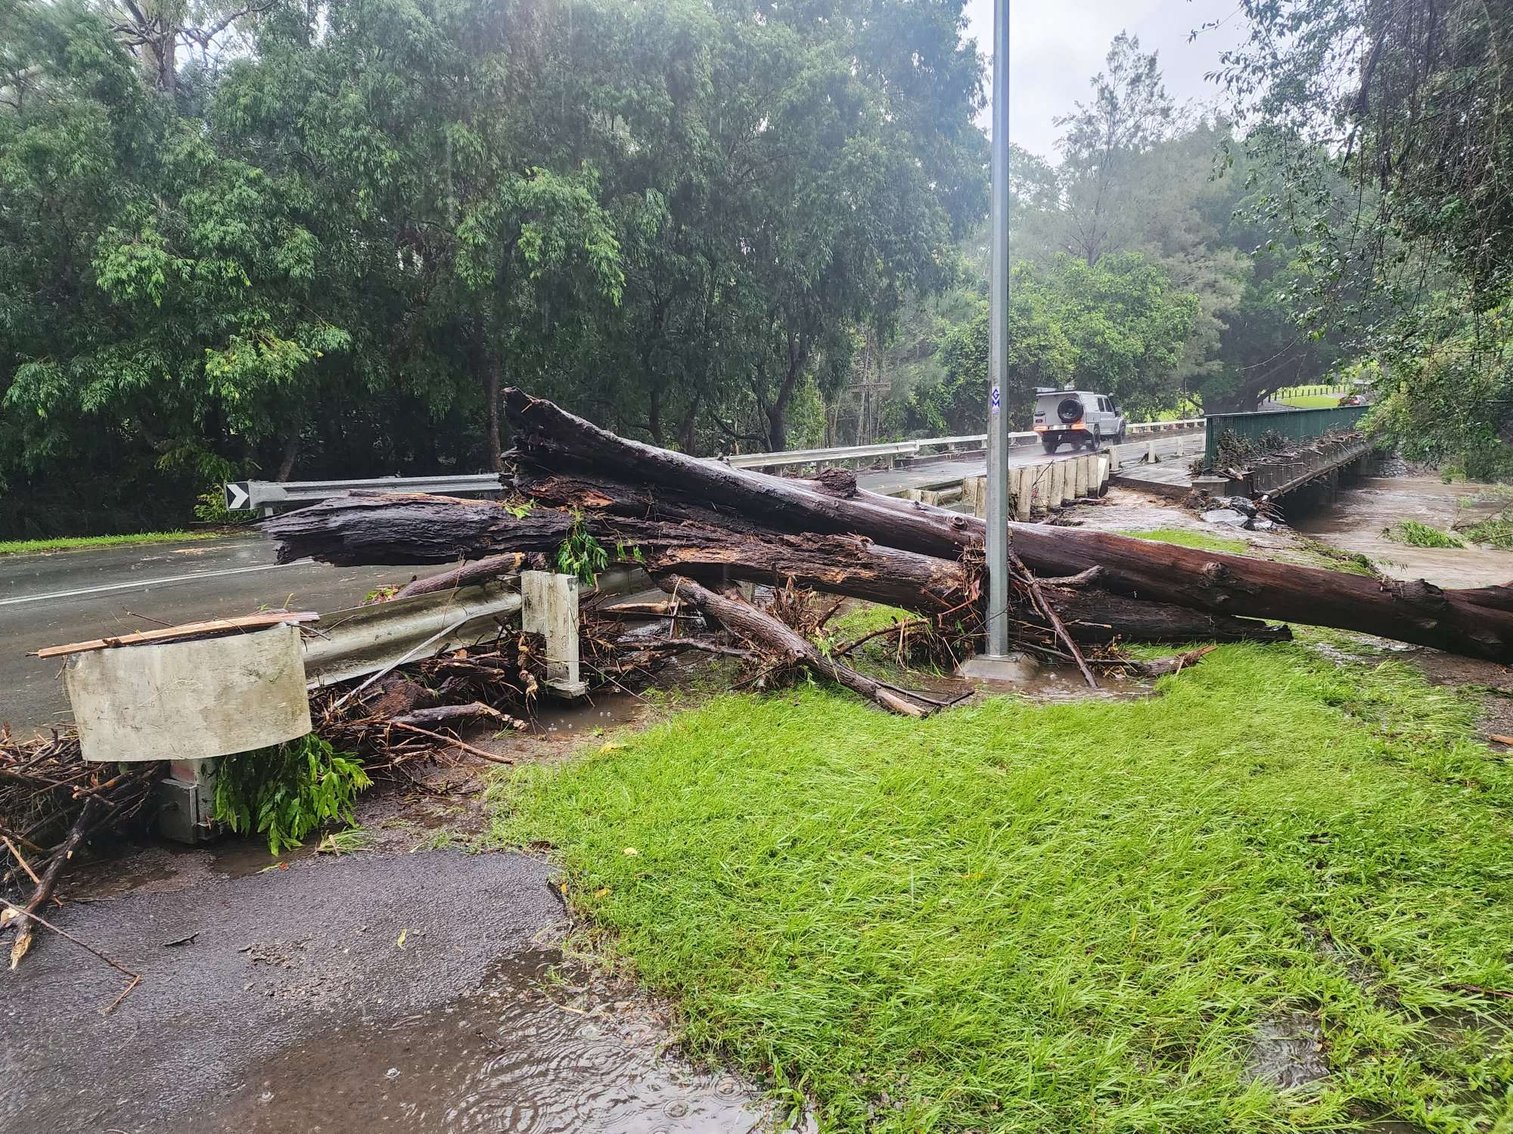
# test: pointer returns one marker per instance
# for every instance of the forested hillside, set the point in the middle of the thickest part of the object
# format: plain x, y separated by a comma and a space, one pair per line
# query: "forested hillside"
318, 239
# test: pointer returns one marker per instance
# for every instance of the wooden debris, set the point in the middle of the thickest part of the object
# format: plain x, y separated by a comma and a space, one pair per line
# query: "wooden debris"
214, 628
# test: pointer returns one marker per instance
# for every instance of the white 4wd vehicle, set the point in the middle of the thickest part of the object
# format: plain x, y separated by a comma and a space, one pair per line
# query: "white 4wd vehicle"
1078, 416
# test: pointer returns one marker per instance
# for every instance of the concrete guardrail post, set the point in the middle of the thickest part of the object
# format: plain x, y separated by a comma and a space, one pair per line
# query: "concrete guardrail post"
549, 607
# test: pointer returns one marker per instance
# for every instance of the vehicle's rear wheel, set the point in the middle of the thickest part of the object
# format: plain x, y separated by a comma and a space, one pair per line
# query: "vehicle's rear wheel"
1095, 439
1051, 444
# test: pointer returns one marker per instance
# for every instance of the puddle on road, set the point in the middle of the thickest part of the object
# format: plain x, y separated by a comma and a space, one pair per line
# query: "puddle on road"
543, 1046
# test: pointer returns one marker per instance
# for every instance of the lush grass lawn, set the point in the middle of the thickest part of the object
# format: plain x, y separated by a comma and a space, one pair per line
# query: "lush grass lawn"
77, 543
1184, 538
1066, 917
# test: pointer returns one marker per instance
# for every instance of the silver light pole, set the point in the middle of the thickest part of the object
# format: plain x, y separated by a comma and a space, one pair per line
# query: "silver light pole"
998, 346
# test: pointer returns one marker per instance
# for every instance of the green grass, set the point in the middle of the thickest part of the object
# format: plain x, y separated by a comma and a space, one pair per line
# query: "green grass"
1415, 534
79, 543
1020, 917
1311, 401
1184, 538
865, 617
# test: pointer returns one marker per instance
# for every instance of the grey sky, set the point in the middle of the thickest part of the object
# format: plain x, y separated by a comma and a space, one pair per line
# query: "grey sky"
1058, 45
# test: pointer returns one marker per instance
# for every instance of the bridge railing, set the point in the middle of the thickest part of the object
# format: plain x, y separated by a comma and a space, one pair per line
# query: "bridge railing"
1295, 425
264, 495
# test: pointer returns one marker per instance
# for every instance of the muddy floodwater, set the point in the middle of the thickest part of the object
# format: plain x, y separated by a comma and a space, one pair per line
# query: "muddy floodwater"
1359, 515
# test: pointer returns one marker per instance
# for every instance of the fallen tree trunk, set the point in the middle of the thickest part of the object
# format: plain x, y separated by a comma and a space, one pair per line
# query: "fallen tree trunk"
761, 629
1477, 622
401, 528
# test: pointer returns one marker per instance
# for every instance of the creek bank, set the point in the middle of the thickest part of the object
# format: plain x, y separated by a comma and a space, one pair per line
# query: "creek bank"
1359, 515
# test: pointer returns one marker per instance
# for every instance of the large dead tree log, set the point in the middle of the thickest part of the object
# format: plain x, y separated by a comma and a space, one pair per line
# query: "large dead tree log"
399, 528
762, 629
1477, 622
439, 529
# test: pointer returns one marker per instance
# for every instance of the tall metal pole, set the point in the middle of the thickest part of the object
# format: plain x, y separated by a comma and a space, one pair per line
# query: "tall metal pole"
998, 347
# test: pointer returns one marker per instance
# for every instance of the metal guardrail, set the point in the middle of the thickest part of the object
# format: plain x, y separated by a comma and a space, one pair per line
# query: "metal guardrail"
1294, 425
361, 640
365, 639
889, 452
260, 494
1180, 426
264, 495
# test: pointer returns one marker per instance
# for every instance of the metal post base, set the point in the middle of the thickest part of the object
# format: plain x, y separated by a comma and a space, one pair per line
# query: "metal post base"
1013, 668
186, 801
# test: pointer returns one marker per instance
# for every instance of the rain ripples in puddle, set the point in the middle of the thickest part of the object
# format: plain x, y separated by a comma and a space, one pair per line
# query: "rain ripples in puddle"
542, 1047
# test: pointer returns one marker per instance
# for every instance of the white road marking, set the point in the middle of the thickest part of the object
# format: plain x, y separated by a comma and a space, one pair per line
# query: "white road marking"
138, 584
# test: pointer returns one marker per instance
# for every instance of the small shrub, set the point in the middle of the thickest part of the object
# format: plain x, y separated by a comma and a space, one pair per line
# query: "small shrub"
581, 554
210, 508
287, 791
1496, 532
1415, 534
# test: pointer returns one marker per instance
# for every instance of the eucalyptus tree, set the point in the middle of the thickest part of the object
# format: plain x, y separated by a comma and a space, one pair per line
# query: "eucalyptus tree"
1129, 113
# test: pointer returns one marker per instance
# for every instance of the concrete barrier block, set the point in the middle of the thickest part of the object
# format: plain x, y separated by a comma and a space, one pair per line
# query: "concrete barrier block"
1023, 487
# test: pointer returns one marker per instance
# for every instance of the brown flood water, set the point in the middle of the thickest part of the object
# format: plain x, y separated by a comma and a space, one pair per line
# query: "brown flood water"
1359, 515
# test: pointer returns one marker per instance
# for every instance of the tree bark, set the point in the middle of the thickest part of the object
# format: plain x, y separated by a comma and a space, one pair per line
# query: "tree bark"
762, 629
399, 528
1477, 623
488, 369
289, 455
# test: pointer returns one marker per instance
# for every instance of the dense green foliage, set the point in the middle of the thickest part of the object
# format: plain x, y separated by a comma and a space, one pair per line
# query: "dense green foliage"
285, 792
1408, 226
319, 239
1067, 916
329, 240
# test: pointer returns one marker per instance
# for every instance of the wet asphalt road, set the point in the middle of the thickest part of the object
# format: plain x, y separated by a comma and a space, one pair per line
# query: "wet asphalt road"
267, 962
424, 992
71, 596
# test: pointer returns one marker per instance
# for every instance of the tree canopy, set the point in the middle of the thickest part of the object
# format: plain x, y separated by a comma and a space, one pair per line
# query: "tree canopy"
283, 239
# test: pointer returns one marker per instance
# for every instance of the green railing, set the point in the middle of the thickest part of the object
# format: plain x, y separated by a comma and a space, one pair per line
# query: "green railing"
1295, 425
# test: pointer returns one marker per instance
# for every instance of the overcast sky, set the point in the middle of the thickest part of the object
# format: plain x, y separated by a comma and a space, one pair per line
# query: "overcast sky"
1057, 46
